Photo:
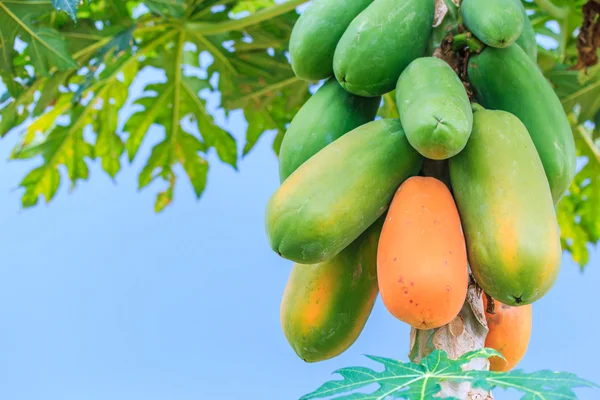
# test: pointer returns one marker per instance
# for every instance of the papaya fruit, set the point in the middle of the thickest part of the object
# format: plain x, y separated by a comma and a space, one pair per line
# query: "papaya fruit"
434, 108
509, 334
527, 40
380, 42
505, 204
339, 192
422, 265
328, 114
317, 33
325, 306
497, 23
507, 79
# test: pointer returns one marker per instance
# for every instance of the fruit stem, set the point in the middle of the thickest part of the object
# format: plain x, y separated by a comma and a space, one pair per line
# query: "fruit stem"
467, 39
477, 107
552, 9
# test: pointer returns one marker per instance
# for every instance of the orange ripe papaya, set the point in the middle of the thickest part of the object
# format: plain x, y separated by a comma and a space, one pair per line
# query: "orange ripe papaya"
422, 265
509, 333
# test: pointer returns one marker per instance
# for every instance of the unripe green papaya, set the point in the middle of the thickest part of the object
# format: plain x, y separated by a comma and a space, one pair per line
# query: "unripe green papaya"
380, 43
434, 108
339, 192
506, 79
497, 23
326, 306
506, 209
330, 113
317, 33
527, 40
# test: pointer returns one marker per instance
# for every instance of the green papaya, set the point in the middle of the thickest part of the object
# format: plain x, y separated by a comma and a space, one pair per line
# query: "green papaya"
380, 43
434, 108
506, 209
506, 79
497, 23
339, 192
330, 113
527, 40
317, 33
325, 306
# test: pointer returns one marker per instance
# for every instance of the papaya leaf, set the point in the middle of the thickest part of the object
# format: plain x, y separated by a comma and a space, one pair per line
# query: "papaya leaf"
64, 145
16, 110
399, 380
254, 72
578, 212
69, 6
189, 128
46, 45
423, 381
578, 89
251, 6
166, 8
51, 91
539, 385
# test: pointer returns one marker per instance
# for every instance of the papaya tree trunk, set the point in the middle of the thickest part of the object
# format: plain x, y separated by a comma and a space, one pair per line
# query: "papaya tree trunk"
467, 332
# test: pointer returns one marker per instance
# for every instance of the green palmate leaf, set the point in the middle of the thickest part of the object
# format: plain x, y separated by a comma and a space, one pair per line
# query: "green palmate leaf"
399, 380
189, 128
251, 6
69, 6
578, 90
51, 91
423, 381
48, 49
16, 110
167, 8
250, 67
540, 385
46, 46
63, 146
254, 73
119, 45
578, 212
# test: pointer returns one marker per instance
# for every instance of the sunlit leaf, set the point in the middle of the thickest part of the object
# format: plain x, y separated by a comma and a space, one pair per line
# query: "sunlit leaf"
423, 381
69, 6
167, 8
47, 47
65, 146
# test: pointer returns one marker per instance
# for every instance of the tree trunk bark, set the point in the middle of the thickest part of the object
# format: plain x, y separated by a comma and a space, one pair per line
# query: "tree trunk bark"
465, 333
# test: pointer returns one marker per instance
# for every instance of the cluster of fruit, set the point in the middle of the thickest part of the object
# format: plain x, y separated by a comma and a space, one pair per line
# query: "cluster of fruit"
359, 209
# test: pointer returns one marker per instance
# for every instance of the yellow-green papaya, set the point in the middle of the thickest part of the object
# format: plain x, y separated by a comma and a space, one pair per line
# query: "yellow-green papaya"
507, 79
527, 40
380, 42
339, 192
330, 113
434, 108
317, 33
497, 23
326, 306
506, 210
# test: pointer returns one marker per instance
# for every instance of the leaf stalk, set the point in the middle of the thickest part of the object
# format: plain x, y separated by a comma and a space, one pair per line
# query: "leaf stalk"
208, 29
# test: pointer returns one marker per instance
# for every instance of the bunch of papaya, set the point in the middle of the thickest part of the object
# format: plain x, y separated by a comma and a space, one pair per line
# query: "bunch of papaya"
461, 186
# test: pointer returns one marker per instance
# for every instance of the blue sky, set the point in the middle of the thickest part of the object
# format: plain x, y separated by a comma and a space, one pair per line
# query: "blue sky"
102, 299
